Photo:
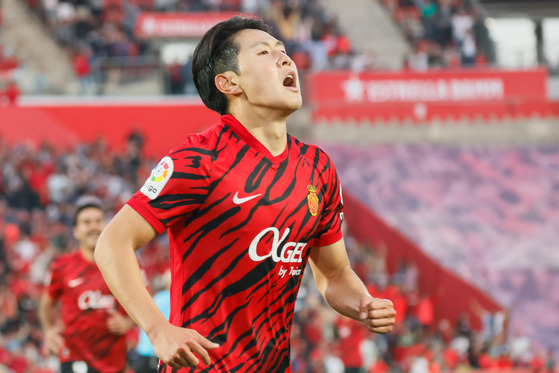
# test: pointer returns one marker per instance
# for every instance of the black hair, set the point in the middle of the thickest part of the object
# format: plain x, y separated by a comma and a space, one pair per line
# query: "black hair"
84, 203
217, 53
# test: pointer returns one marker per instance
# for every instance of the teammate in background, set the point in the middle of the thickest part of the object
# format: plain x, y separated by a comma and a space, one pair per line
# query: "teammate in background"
82, 322
246, 205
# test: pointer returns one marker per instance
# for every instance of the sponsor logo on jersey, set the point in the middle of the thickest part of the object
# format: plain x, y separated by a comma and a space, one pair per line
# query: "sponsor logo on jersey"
159, 176
280, 251
312, 200
288, 252
95, 300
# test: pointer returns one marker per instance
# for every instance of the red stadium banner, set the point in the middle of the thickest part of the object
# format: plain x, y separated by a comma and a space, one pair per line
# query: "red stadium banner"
164, 124
178, 25
424, 96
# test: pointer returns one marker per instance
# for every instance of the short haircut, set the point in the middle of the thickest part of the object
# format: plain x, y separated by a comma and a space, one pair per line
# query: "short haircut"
217, 53
83, 203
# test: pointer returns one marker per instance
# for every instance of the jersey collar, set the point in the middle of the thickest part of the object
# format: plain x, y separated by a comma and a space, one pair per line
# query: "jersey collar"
252, 141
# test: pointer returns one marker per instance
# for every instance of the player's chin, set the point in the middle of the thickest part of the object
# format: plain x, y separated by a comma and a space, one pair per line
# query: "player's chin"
93, 238
293, 104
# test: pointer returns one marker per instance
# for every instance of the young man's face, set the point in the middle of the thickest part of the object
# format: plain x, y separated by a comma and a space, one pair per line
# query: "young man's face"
89, 224
268, 77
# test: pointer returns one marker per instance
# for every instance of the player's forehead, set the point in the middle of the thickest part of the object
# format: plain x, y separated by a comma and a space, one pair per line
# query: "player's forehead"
251, 38
89, 213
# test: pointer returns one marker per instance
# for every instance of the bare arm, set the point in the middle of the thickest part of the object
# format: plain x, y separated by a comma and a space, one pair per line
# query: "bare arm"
114, 254
345, 292
53, 340
119, 324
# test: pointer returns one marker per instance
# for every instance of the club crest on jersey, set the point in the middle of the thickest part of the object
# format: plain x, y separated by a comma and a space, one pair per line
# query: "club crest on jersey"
160, 175
312, 200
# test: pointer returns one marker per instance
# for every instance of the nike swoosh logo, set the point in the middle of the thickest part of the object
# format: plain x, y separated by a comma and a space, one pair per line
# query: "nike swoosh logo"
237, 200
75, 282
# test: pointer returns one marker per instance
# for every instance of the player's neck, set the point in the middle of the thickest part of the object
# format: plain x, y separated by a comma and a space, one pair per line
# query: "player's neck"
87, 254
268, 128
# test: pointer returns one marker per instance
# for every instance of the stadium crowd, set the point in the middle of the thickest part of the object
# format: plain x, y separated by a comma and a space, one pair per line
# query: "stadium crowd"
443, 33
100, 36
500, 198
38, 186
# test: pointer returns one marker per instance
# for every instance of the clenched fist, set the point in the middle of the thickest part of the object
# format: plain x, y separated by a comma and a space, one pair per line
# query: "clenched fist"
377, 314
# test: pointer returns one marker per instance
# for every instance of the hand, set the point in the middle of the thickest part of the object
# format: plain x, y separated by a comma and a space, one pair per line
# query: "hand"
377, 314
118, 323
177, 346
53, 341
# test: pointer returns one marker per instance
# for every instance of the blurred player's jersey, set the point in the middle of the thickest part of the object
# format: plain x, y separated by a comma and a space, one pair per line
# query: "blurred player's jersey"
241, 224
86, 304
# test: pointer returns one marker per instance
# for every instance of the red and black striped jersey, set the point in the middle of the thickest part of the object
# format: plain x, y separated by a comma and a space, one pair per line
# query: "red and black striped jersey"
241, 224
86, 303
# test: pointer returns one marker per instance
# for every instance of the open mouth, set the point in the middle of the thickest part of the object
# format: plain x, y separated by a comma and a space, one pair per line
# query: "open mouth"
290, 81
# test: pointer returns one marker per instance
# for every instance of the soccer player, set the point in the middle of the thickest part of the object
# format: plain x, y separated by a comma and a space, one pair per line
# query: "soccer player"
246, 206
82, 322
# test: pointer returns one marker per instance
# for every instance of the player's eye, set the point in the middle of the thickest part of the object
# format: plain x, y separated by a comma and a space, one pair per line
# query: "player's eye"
263, 52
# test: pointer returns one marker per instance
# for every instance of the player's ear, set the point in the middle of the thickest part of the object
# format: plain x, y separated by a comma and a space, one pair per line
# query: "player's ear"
227, 83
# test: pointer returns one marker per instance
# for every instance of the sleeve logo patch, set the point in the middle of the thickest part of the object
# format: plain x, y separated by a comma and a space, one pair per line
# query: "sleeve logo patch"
160, 175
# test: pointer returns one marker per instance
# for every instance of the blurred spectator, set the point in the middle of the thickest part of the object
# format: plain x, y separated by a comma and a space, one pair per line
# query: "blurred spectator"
520, 351
429, 10
550, 361
468, 49
419, 60
8, 61
443, 22
425, 312
11, 94
351, 336
176, 80
82, 70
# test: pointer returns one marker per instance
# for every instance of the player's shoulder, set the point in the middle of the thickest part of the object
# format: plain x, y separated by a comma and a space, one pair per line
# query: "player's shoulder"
311, 152
200, 143
66, 260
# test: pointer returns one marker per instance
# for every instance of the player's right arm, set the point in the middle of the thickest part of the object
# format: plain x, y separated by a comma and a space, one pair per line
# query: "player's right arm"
115, 256
53, 340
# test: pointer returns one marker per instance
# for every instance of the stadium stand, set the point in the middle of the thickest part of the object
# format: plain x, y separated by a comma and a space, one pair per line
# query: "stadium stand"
105, 53
103, 45
444, 33
43, 67
487, 213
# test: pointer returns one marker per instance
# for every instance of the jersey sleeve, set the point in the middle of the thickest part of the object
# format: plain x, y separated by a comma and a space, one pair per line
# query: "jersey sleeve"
330, 224
54, 283
177, 186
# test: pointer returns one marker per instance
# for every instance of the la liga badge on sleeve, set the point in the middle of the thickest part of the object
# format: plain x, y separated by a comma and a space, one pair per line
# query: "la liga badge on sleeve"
158, 178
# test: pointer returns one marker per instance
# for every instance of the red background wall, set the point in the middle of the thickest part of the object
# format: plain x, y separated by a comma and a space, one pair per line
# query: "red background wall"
164, 126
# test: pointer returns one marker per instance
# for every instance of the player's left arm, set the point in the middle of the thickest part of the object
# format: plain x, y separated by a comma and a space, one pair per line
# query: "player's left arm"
345, 292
